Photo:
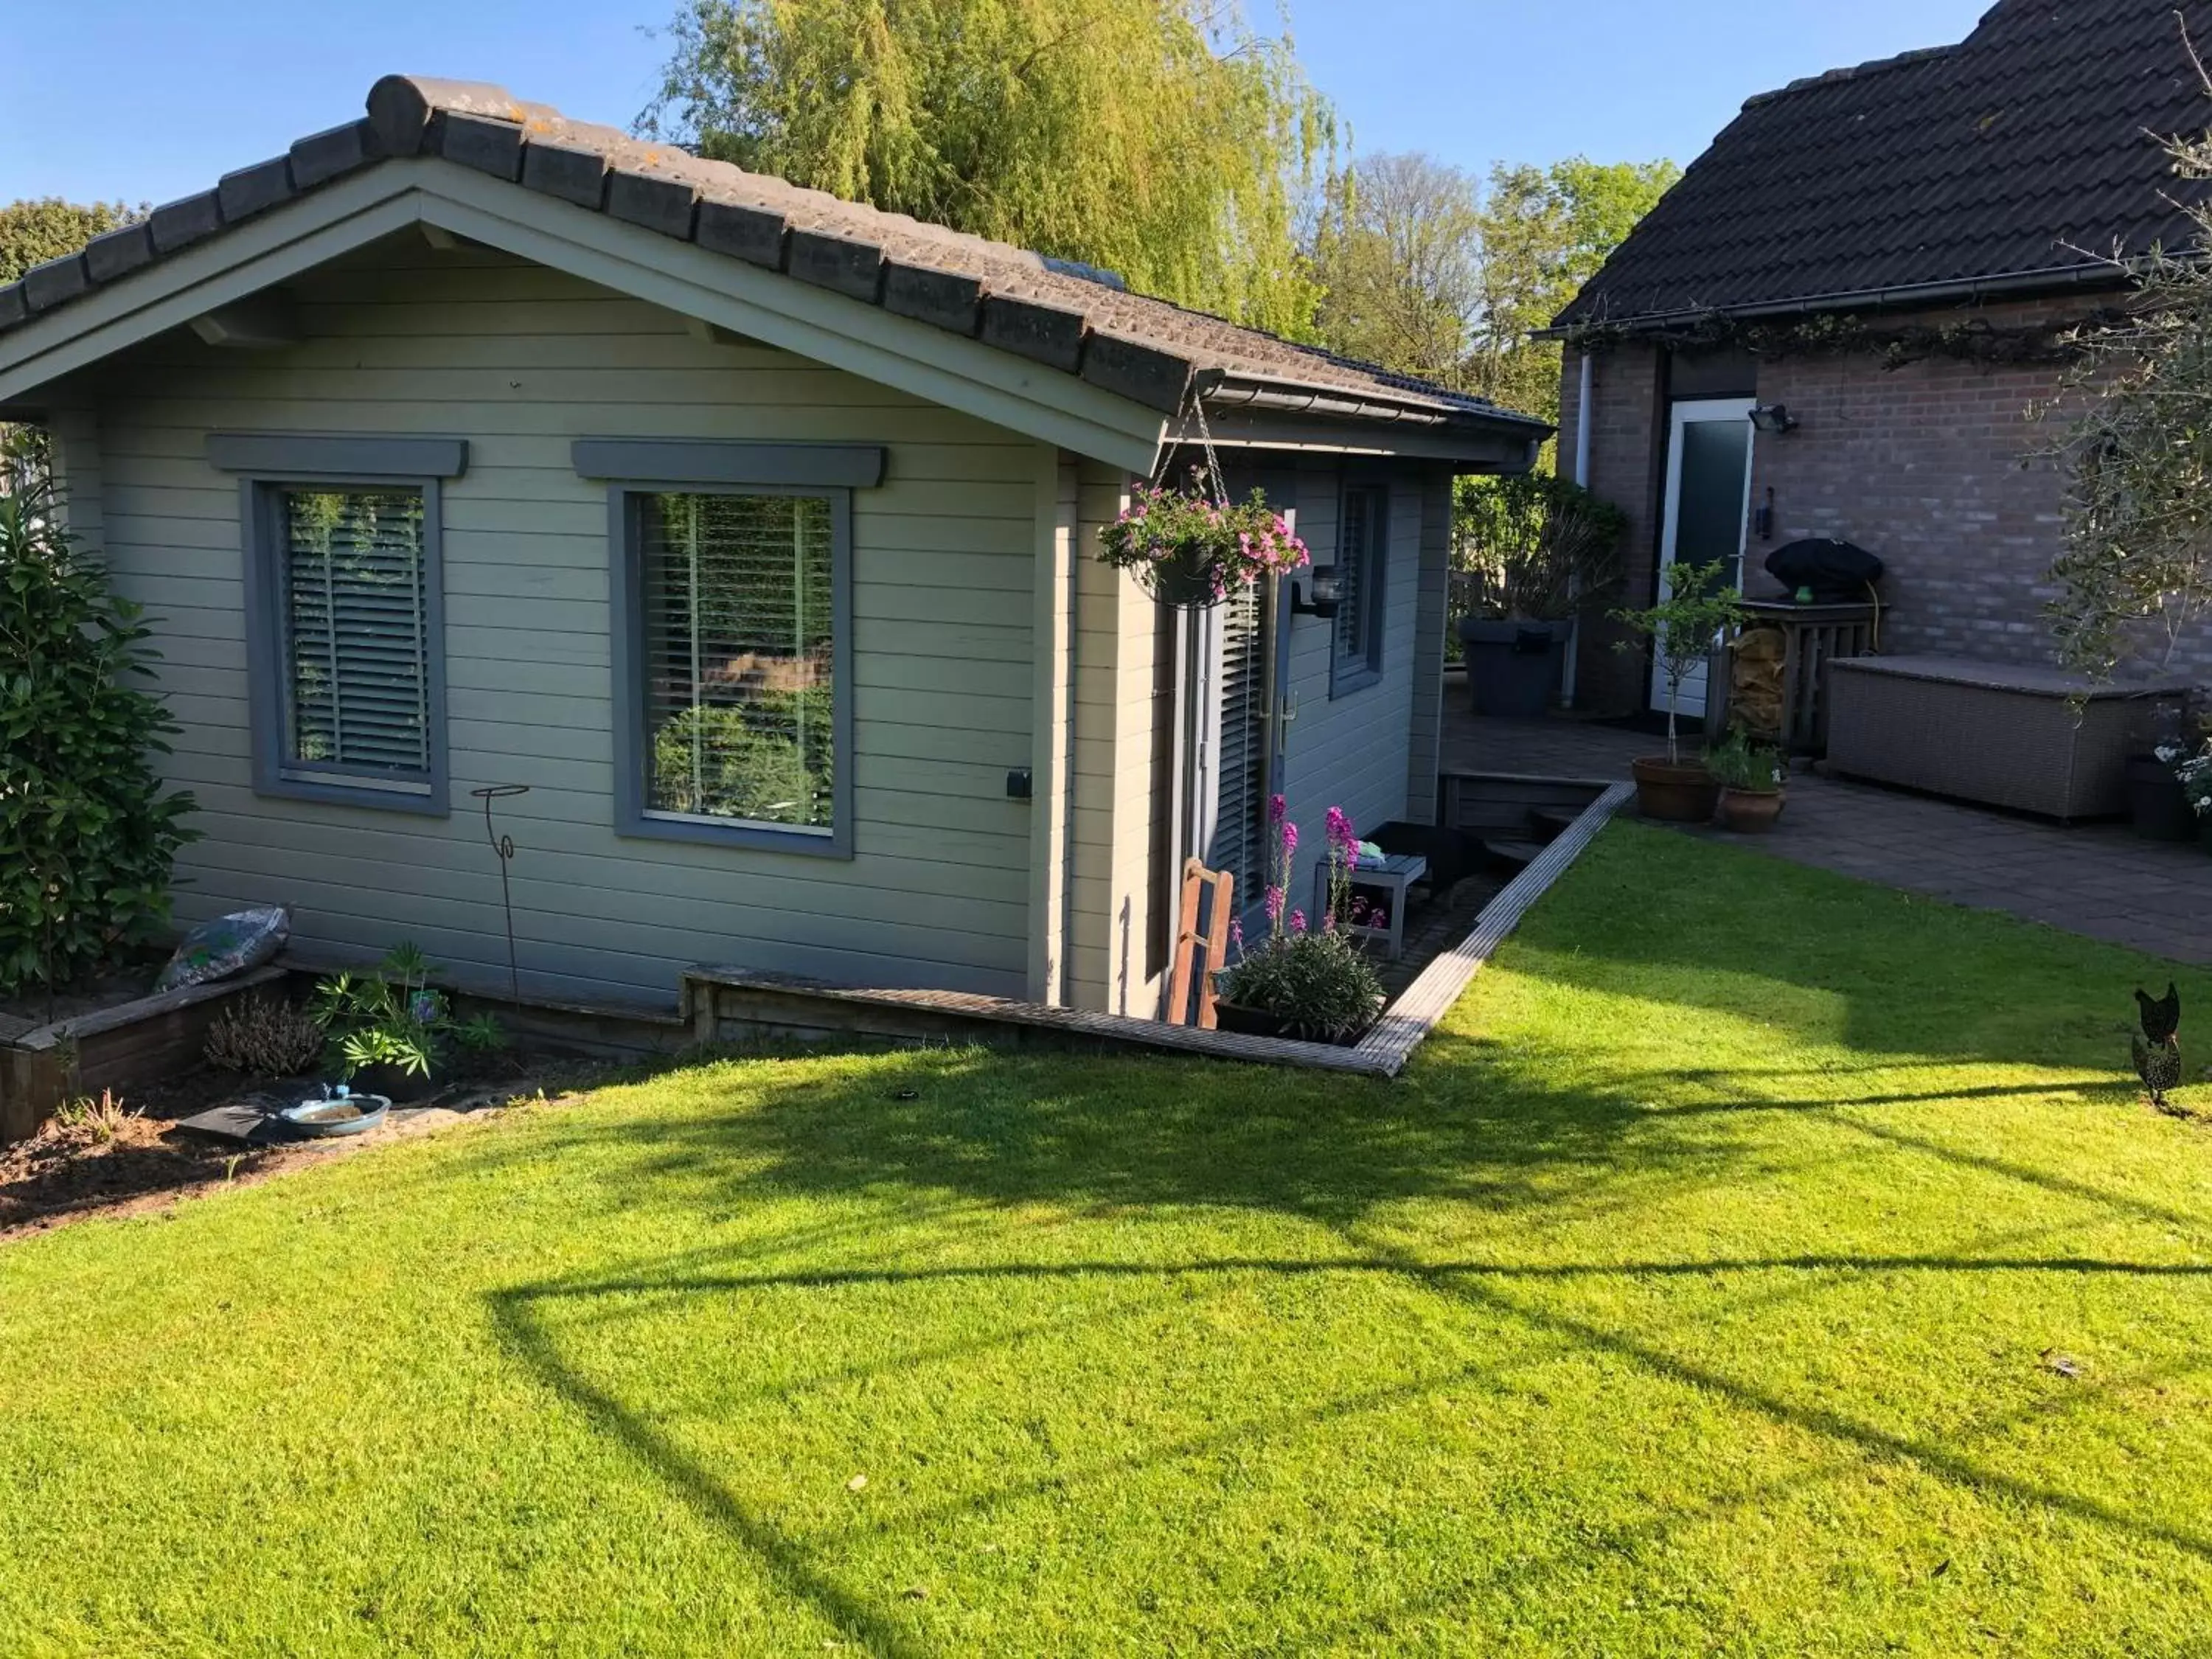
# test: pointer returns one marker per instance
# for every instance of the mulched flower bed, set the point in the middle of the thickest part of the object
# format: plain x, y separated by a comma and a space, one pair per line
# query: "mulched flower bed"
69, 1172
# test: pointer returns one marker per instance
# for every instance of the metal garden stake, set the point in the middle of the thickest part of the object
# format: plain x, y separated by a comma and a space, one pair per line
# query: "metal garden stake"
504, 845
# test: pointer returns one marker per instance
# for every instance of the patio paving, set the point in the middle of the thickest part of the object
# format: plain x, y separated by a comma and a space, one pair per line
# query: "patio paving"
2098, 880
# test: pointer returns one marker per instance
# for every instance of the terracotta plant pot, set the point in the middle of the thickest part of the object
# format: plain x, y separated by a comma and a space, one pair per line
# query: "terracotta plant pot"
1749, 811
1674, 791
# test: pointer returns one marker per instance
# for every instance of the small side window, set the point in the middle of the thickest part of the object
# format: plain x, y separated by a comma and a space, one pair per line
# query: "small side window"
1362, 559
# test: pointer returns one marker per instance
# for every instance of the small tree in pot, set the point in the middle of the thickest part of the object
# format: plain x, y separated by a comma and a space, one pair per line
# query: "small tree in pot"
1700, 605
1529, 553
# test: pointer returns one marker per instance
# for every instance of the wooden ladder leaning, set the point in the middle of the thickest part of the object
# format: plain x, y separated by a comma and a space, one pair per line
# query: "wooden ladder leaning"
1197, 880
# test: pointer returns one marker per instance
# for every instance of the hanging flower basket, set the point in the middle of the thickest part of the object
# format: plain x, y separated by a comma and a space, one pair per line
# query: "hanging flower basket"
1191, 552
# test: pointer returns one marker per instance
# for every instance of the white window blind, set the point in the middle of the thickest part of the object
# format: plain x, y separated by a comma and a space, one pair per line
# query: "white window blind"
1240, 843
737, 659
356, 621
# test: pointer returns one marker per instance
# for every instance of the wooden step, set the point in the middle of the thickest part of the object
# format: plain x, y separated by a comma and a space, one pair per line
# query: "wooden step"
1517, 855
1550, 823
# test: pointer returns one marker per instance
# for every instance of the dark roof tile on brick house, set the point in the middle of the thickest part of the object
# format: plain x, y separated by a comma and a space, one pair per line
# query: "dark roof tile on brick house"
2017, 160
1078, 322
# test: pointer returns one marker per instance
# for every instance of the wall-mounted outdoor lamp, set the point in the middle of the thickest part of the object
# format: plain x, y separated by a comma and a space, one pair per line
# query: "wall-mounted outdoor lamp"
1314, 593
1774, 418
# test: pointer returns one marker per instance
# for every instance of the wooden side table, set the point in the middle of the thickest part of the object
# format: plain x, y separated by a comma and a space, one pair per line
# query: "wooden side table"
1390, 879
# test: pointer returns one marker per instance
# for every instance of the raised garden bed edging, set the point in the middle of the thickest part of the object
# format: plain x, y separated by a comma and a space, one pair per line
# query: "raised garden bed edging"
124, 1048
733, 1005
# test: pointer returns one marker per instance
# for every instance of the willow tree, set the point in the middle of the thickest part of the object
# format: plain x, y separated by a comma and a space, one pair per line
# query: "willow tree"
1166, 139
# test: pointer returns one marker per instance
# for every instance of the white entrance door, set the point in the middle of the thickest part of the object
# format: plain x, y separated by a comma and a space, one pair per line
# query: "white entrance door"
1708, 503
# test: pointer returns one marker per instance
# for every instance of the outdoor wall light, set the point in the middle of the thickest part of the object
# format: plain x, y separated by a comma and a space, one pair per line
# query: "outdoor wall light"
1314, 593
1774, 418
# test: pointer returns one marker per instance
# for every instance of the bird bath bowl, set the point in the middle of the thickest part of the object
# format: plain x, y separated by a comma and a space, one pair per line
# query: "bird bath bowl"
337, 1114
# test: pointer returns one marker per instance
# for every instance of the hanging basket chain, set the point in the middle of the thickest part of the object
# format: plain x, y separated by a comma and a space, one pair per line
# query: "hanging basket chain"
1191, 548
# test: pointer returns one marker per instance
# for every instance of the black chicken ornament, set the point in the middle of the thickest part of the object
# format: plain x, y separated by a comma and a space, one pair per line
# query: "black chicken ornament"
2156, 1047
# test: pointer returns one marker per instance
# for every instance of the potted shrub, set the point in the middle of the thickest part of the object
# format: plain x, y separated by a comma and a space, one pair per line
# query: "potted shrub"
1529, 553
1308, 982
2192, 770
389, 1032
1700, 605
1192, 550
1752, 776
2158, 805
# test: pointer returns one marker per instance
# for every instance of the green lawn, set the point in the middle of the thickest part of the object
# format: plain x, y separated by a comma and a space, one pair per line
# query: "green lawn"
1690, 1295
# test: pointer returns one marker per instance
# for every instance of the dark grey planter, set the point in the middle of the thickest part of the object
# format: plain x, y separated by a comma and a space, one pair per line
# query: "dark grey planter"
1513, 668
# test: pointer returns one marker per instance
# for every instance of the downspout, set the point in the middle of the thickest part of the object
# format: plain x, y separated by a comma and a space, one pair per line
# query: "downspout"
1585, 383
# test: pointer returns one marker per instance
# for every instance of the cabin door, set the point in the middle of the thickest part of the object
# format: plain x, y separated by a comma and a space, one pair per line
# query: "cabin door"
1708, 507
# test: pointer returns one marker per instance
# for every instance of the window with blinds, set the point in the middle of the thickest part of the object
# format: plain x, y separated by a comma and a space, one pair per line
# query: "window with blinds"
736, 652
1240, 843
1362, 537
356, 633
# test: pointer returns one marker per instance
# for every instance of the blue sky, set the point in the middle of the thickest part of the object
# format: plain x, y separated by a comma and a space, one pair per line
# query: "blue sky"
130, 99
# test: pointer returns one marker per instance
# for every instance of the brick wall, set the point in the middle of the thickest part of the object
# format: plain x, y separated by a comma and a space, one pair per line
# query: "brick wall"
1931, 466
1627, 394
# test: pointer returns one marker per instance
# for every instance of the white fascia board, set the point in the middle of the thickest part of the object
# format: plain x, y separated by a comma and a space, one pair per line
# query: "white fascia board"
963, 375
912, 357
226, 268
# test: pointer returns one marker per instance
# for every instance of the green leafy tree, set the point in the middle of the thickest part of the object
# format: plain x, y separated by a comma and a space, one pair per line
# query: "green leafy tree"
1398, 249
2133, 576
88, 838
1545, 231
1166, 139
1430, 272
33, 232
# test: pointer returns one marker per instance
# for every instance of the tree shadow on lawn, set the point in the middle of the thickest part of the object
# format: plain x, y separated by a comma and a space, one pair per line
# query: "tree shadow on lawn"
945, 1144
938, 1137
817, 1568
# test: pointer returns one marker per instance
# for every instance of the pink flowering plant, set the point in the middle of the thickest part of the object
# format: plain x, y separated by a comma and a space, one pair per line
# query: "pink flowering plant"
1313, 981
1193, 551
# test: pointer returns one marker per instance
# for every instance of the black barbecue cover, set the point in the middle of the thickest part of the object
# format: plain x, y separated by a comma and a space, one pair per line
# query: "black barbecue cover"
1833, 571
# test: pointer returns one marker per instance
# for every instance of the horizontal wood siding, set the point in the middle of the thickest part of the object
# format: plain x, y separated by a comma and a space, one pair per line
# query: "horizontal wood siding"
1353, 750
519, 361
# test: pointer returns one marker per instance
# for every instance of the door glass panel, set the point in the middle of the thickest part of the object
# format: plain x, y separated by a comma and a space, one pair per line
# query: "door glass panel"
1710, 523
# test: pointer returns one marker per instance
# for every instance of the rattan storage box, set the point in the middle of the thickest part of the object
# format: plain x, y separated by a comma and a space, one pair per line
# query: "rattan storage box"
1995, 733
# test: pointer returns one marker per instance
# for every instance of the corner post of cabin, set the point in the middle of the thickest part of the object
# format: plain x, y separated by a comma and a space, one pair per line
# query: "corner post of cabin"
1105, 602
73, 429
1053, 725
1432, 616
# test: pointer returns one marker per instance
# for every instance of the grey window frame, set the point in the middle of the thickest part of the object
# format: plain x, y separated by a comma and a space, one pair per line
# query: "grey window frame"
269, 464
1355, 671
626, 572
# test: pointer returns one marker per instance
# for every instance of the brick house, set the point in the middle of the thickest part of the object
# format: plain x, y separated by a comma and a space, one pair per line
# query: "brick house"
1889, 252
